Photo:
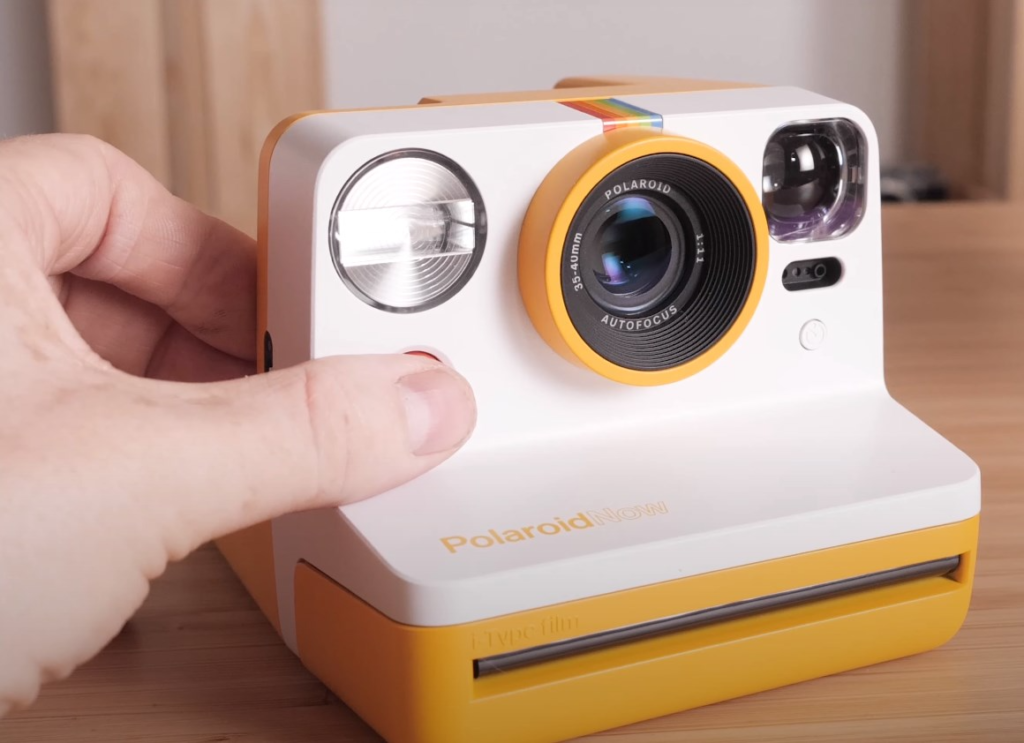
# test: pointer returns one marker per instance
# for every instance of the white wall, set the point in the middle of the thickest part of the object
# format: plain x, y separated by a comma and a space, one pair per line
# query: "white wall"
25, 106
387, 52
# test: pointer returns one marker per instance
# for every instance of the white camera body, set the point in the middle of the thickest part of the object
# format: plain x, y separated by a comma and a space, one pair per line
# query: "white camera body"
780, 465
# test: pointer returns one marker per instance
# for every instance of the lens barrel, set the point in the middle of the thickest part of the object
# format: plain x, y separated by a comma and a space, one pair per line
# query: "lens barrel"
658, 262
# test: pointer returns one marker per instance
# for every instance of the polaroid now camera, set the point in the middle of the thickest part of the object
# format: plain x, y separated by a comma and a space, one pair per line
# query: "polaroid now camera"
688, 481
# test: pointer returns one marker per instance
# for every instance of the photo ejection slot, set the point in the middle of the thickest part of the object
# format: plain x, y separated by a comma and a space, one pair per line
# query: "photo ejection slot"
761, 605
812, 274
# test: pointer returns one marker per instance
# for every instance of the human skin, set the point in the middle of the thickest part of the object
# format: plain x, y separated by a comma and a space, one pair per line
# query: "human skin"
132, 427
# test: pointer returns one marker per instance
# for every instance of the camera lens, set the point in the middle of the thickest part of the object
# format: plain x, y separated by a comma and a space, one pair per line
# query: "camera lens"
643, 256
658, 261
813, 180
632, 259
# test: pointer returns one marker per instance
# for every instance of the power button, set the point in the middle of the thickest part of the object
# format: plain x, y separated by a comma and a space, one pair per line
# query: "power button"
812, 335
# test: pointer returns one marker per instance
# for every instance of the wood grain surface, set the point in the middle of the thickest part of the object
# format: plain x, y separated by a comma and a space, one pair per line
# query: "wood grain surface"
189, 88
200, 664
237, 67
108, 71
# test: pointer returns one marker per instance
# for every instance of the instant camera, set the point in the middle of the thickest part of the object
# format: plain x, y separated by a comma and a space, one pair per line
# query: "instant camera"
688, 481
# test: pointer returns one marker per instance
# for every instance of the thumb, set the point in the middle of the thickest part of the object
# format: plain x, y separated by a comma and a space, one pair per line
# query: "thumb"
327, 432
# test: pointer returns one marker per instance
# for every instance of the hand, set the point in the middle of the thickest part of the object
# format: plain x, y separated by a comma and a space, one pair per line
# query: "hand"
123, 310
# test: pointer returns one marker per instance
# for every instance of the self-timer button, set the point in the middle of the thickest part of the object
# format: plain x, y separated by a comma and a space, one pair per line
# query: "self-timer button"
812, 335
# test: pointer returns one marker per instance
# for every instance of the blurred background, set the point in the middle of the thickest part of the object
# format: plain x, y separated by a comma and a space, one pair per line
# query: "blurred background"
190, 88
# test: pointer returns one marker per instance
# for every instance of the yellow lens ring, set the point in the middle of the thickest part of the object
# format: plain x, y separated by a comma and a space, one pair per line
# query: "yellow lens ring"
546, 227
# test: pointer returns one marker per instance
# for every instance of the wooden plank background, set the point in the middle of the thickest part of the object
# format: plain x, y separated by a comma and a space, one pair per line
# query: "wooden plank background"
108, 73
965, 94
189, 88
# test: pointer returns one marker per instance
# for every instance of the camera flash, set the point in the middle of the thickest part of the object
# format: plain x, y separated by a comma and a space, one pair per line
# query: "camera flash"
407, 231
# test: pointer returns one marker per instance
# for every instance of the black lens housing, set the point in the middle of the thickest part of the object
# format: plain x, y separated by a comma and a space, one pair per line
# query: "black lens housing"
713, 246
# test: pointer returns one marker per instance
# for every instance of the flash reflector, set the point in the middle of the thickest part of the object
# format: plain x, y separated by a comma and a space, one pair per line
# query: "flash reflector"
408, 230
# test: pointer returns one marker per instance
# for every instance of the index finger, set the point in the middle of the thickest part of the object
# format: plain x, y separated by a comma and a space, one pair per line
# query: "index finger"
84, 207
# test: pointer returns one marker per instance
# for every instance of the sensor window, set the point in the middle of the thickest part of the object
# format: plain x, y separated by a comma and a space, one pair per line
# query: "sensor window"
813, 274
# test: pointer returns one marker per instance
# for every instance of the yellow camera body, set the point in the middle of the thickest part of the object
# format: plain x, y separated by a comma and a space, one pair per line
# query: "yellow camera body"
688, 482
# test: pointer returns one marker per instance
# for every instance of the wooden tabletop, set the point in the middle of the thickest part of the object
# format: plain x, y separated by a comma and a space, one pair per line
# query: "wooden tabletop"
200, 664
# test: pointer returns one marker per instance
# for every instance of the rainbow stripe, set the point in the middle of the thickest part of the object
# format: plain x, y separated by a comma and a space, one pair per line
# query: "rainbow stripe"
616, 114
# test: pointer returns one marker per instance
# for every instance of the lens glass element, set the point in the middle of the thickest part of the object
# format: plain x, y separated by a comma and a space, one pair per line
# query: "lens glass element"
813, 180
407, 231
634, 246
632, 257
